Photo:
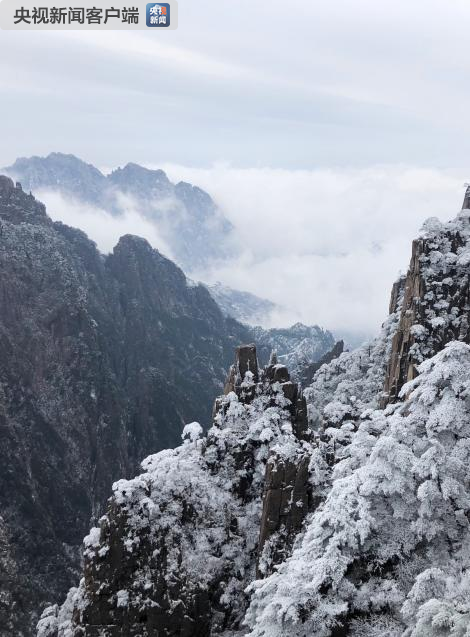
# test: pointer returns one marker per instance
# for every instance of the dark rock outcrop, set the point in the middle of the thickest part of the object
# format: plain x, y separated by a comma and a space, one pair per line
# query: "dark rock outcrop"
18, 207
246, 360
466, 200
433, 299
102, 361
285, 505
286, 491
402, 365
311, 370
180, 543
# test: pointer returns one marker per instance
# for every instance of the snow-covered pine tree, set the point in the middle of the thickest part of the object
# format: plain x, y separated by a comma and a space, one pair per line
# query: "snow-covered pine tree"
389, 549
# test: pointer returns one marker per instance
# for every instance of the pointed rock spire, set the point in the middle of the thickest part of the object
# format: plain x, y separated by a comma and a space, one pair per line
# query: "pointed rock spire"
466, 199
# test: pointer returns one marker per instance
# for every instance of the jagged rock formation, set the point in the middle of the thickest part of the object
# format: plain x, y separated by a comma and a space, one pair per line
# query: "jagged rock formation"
310, 371
466, 200
357, 526
434, 299
285, 504
385, 552
180, 542
286, 490
102, 360
193, 228
246, 361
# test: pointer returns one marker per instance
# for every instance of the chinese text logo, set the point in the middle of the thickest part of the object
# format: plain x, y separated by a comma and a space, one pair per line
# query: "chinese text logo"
80, 15
158, 15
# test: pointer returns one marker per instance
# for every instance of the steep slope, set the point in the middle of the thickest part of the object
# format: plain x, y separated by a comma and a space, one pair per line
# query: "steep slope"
180, 542
386, 552
362, 520
311, 369
436, 298
186, 217
102, 360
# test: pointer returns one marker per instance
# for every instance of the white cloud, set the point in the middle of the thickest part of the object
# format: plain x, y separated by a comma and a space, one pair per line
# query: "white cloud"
327, 245
102, 227
316, 84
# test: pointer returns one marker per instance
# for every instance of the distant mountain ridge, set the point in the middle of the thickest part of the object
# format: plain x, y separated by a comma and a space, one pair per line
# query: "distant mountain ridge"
185, 216
297, 346
243, 306
102, 360
192, 226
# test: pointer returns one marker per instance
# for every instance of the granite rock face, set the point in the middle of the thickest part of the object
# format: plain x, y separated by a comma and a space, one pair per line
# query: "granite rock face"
302, 516
102, 361
433, 300
285, 505
310, 371
18, 208
180, 543
386, 550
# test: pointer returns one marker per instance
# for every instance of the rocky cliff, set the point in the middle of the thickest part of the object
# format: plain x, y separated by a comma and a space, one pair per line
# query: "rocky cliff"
310, 370
353, 522
433, 298
180, 542
385, 551
102, 361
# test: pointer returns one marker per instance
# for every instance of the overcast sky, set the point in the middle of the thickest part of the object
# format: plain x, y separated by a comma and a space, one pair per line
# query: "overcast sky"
302, 111
302, 84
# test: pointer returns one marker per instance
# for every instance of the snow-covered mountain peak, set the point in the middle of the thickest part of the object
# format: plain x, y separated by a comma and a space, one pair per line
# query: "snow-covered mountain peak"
193, 518
340, 512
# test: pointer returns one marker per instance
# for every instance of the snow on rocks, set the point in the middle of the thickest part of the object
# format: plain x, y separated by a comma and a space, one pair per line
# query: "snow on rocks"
179, 543
403, 510
357, 526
